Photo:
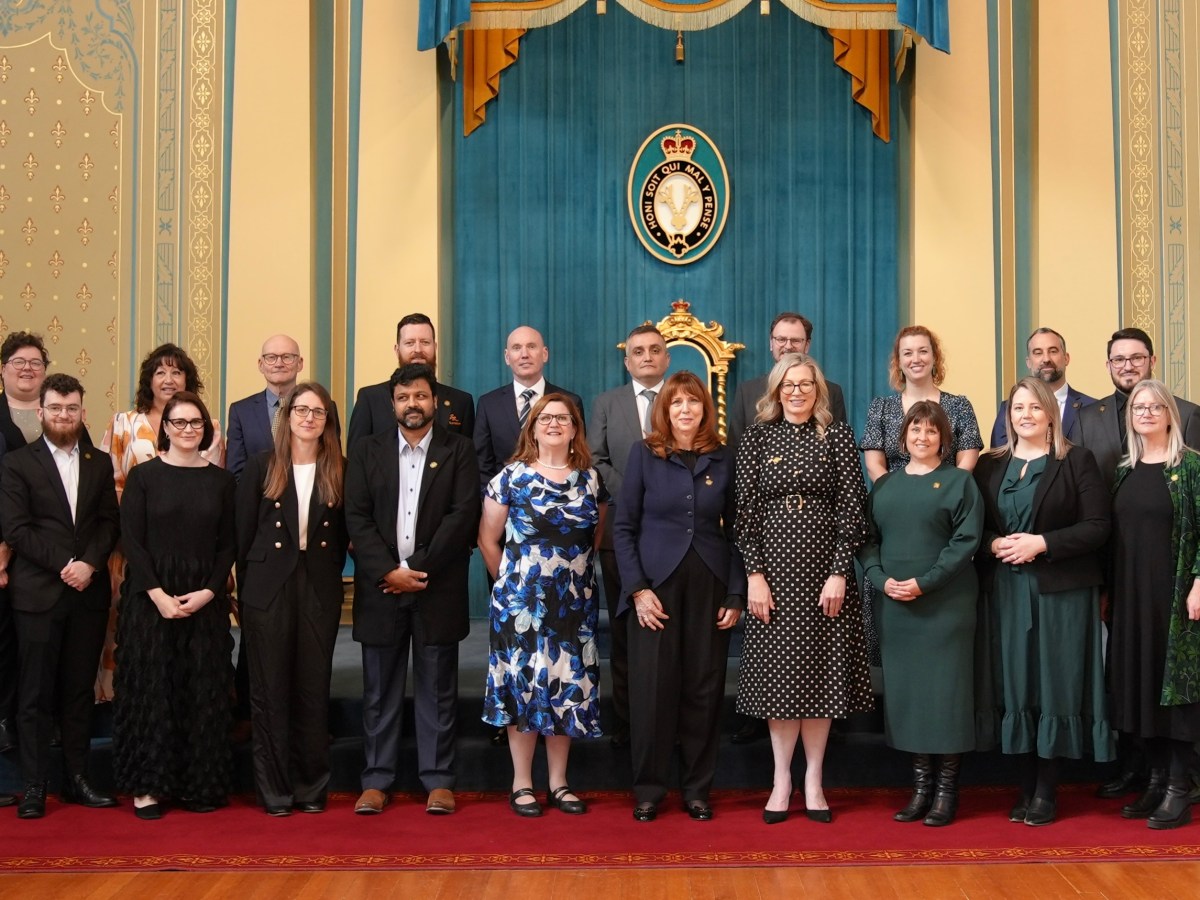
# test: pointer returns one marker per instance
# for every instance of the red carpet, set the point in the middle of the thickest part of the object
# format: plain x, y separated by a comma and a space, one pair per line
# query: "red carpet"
485, 834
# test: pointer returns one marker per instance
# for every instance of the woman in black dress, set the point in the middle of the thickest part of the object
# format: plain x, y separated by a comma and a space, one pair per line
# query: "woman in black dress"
1154, 654
800, 520
291, 549
171, 714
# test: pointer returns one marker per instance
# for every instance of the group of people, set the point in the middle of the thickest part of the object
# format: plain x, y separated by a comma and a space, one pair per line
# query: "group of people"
987, 577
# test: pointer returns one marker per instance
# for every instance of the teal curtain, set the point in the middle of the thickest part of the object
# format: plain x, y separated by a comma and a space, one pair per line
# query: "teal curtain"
541, 226
436, 19
928, 18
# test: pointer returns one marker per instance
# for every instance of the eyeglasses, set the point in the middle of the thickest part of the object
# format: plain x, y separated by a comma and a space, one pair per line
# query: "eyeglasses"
1148, 409
57, 409
288, 359
20, 362
558, 418
788, 341
804, 387
303, 412
1137, 360
185, 424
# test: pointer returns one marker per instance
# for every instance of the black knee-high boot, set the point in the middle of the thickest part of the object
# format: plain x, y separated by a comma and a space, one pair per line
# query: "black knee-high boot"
945, 801
922, 796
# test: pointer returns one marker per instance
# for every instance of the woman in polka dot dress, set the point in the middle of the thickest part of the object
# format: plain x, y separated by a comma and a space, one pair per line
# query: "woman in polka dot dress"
800, 520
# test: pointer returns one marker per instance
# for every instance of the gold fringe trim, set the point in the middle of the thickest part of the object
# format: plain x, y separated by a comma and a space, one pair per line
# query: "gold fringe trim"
514, 17
676, 18
882, 17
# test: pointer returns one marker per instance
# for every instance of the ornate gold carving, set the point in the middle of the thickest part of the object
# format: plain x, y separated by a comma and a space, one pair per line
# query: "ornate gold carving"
1141, 163
54, 329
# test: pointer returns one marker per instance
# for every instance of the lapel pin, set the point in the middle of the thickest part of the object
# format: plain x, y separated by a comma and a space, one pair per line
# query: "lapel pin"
433, 465
1175, 477
936, 485
708, 480
87, 456
776, 459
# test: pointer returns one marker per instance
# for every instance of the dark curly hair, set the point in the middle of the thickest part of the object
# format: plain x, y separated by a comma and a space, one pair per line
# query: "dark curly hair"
171, 355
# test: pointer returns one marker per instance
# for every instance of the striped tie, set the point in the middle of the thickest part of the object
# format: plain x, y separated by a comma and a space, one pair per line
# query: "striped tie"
527, 396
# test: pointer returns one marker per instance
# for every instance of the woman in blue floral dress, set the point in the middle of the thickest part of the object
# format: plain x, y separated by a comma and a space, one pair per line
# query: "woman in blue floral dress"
542, 515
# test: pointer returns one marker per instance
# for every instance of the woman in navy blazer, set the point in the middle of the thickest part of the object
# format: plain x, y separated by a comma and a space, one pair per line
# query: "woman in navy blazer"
292, 540
674, 541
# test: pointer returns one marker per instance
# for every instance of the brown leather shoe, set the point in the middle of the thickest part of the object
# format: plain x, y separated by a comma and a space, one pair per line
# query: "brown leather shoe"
441, 802
371, 802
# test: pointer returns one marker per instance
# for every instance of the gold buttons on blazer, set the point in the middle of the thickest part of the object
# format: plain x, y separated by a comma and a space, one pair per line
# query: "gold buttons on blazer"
278, 545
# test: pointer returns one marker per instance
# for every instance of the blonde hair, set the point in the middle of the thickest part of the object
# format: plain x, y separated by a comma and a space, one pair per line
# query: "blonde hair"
1059, 445
896, 374
1135, 444
770, 410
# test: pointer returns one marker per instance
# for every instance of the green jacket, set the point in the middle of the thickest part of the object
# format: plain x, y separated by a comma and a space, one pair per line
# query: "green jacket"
1181, 674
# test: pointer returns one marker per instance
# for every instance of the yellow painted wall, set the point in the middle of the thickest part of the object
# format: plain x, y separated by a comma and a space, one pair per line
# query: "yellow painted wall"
1076, 201
270, 203
952, 270
398, 191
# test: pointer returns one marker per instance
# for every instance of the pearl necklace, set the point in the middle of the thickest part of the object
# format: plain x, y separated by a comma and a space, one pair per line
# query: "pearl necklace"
542, 462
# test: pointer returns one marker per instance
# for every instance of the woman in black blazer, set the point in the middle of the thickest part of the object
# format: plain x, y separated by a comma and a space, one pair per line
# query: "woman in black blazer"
291, 549
674, 541
1041, 667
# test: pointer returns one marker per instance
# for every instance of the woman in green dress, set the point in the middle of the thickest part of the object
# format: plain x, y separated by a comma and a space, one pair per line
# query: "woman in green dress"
1046, 521
926, 520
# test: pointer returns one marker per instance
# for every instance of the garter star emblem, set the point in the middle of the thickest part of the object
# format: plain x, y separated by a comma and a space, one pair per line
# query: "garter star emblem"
678, 194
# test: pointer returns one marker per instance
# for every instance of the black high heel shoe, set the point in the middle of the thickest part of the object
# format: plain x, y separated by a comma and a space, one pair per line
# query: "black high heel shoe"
824, 816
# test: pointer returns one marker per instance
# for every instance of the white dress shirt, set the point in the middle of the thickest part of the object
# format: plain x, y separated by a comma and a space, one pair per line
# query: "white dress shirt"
68, 469
304, 474
643, 405
412, 470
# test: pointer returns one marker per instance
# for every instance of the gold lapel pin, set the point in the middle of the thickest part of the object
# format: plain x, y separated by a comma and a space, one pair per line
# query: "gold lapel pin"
776, 459
433, 465
708, 480
936, 485
1175, 477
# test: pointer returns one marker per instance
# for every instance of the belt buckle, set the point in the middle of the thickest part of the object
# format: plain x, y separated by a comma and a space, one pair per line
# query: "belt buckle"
796, 499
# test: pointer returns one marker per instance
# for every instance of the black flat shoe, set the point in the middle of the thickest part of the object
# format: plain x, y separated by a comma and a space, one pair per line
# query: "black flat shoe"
1041, 812
700, 810
1018, 812
7, 800
75, 789
149, 812
824, 816
309, 806
529, 810
646, 812
1126, 783
33, 803
279, 811
198, 806
570, 807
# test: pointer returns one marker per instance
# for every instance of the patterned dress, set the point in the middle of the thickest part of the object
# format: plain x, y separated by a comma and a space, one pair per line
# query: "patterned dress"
800, 519
543, 670
882, 432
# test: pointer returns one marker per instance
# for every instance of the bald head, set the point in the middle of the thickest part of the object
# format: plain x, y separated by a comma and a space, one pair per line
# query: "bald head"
526, 354
280, 362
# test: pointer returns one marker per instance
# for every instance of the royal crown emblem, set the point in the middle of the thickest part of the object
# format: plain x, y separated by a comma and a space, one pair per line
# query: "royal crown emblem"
678, 201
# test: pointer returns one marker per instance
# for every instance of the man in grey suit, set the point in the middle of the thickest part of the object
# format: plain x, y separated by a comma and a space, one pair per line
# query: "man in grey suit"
1101, 426
621, 418
790, 333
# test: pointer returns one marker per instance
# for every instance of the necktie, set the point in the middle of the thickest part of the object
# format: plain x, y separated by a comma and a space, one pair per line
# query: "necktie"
527, 396
275, 417
649, 395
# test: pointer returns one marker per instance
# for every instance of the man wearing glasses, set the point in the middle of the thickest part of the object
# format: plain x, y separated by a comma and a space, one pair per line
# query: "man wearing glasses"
1101, 426
253, 420
58, 508
790, 333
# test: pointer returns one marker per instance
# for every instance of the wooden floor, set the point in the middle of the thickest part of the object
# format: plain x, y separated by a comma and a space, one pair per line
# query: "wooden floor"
1043, 881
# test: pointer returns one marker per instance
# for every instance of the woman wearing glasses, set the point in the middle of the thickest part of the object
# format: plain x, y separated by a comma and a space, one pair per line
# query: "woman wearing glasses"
1154, 652
132, 438
800, 520
171, 714
1040, 666
542, 516
291, 549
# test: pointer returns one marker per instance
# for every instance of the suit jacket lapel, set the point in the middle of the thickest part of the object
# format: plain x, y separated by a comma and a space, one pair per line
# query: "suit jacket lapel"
391, 480
1053, 467
316, 515
291, 508
436, 458
56, 483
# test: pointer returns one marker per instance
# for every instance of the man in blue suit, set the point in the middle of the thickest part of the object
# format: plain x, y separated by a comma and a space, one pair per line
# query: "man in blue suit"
1047, 358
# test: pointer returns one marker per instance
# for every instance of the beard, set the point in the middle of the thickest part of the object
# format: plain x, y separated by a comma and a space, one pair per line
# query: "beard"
414, 418
425, 359
63, 436
1049, 374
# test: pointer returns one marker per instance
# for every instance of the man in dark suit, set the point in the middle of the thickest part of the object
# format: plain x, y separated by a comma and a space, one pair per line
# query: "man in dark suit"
790, 333
23, 364
412, 513
58, 509
1047, 358
416, 342
1101, 426
501, 413
621, 418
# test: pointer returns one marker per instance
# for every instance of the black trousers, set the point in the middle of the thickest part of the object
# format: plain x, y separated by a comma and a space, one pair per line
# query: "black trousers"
619, 658
290, 658
677, 685
58, 652
8, 659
